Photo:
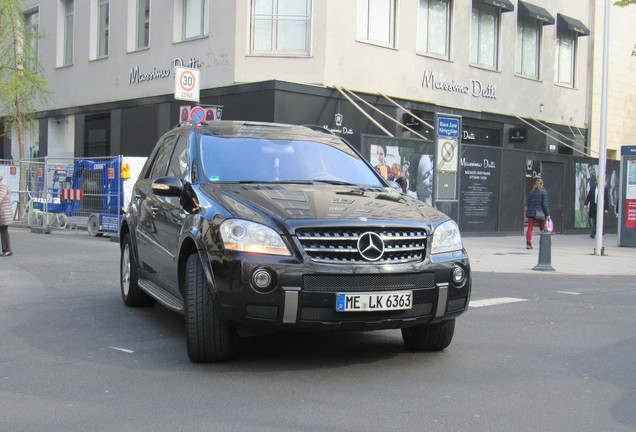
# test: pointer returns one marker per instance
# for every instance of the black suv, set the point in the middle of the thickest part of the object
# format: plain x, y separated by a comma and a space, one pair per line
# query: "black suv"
247, 227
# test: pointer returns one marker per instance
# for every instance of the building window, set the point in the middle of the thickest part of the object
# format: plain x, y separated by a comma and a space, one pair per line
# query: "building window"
143, 24
564, 59
68, 14
281, 26
484, 35
376, 22
433, 27
31, 28
195, 19
530, 22
103, 22
528, 48
565, 52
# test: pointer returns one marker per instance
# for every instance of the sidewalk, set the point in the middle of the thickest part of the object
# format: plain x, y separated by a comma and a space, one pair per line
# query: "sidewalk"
570, 254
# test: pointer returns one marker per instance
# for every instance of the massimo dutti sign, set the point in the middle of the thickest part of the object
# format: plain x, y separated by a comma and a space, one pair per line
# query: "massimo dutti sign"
473, 87
138, 76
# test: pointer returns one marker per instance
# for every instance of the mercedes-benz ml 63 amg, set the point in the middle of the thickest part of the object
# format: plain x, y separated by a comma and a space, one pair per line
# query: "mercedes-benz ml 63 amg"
247, 227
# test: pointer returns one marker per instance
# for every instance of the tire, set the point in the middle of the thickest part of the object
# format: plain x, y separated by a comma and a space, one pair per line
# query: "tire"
429, 338
208, 338
131, 294
93, 226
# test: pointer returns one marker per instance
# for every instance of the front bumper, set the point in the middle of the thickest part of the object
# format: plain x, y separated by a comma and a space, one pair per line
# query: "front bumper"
303, 295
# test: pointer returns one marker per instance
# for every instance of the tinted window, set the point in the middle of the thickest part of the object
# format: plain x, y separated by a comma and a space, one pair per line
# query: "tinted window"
178, 166
160, 164
250, 159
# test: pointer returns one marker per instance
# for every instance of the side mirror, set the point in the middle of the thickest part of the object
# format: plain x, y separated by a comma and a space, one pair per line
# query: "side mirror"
167, 186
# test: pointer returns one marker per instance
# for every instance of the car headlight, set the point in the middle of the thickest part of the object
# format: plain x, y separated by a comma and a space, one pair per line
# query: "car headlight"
246, 236
446, 238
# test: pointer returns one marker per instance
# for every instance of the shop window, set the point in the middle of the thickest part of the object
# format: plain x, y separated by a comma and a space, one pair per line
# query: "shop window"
433, 28
565, 52
481, 136
376, 22
484, 35
280, 27
31, 28
97, 135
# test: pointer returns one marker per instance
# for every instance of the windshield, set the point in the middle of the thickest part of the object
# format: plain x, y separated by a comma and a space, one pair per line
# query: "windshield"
265, 160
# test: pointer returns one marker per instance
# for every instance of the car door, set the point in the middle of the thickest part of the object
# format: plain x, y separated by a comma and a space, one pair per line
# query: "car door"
169, 218
146, 204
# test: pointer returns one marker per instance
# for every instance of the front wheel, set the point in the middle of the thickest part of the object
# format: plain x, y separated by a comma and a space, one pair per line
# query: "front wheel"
209, 339
434, 337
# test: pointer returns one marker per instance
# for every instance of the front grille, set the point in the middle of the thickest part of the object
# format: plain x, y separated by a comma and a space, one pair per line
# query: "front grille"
329, 314
340, 245
368, 282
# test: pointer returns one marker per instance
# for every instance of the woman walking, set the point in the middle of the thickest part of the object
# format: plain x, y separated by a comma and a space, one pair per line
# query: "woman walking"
5, 217
536, 209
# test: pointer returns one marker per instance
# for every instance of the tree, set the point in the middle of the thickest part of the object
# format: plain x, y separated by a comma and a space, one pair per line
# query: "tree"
623, 3
21, 77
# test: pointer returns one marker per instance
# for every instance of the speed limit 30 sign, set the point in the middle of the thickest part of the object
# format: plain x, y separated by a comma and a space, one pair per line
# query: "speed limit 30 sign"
186, 86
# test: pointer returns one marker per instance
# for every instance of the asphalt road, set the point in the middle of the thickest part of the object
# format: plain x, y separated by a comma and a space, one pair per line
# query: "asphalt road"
535, 352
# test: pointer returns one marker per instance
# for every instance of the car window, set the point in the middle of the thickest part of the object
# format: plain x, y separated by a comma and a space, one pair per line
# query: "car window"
160, 164
178, 166
267, 160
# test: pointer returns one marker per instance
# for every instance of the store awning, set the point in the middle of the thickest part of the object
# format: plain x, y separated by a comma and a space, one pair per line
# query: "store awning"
565, 22
504, 5
528, 10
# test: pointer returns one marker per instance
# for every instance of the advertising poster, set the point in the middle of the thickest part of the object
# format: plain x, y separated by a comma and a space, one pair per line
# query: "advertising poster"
585, 177
479, 196
630, 195
414, 166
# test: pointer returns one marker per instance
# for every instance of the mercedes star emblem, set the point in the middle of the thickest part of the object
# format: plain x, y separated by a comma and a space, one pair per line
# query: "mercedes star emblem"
371, 246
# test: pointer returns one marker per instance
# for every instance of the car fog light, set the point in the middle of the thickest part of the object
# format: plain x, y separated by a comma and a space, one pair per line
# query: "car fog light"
458, 275
262, 279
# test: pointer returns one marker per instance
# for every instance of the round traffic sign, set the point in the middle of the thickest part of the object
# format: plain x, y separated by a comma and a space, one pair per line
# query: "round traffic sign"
197, 114
187, 80
209, 114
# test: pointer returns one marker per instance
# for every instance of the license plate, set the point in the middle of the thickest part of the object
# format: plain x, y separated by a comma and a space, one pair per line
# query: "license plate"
373, 302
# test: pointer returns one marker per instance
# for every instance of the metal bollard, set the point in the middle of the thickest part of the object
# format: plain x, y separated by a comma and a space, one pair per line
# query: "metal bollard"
545, 252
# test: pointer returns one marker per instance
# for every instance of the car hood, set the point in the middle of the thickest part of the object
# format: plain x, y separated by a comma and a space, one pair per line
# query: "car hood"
297, 204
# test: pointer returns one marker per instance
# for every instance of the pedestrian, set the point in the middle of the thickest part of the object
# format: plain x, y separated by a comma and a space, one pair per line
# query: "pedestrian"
6, 217
537, 208
592, 199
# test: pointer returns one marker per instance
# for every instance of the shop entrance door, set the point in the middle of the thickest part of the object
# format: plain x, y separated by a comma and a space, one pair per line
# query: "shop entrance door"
552, 174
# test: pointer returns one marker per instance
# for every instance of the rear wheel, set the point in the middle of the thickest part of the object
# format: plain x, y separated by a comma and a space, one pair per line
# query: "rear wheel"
209, 339
434, 337
93, 226
129, 278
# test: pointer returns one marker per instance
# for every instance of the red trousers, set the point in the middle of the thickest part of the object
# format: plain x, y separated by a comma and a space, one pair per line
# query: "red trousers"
531, 227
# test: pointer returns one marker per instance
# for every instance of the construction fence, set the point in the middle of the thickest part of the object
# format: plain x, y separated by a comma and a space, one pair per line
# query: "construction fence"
71, 193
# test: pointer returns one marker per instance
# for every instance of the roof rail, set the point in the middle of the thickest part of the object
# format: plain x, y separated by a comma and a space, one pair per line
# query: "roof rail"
318, 128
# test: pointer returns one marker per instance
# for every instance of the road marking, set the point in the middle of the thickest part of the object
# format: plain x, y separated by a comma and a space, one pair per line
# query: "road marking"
495, 301
127, 351
568, 292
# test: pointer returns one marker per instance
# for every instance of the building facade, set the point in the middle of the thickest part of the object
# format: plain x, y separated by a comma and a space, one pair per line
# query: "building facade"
514, 75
